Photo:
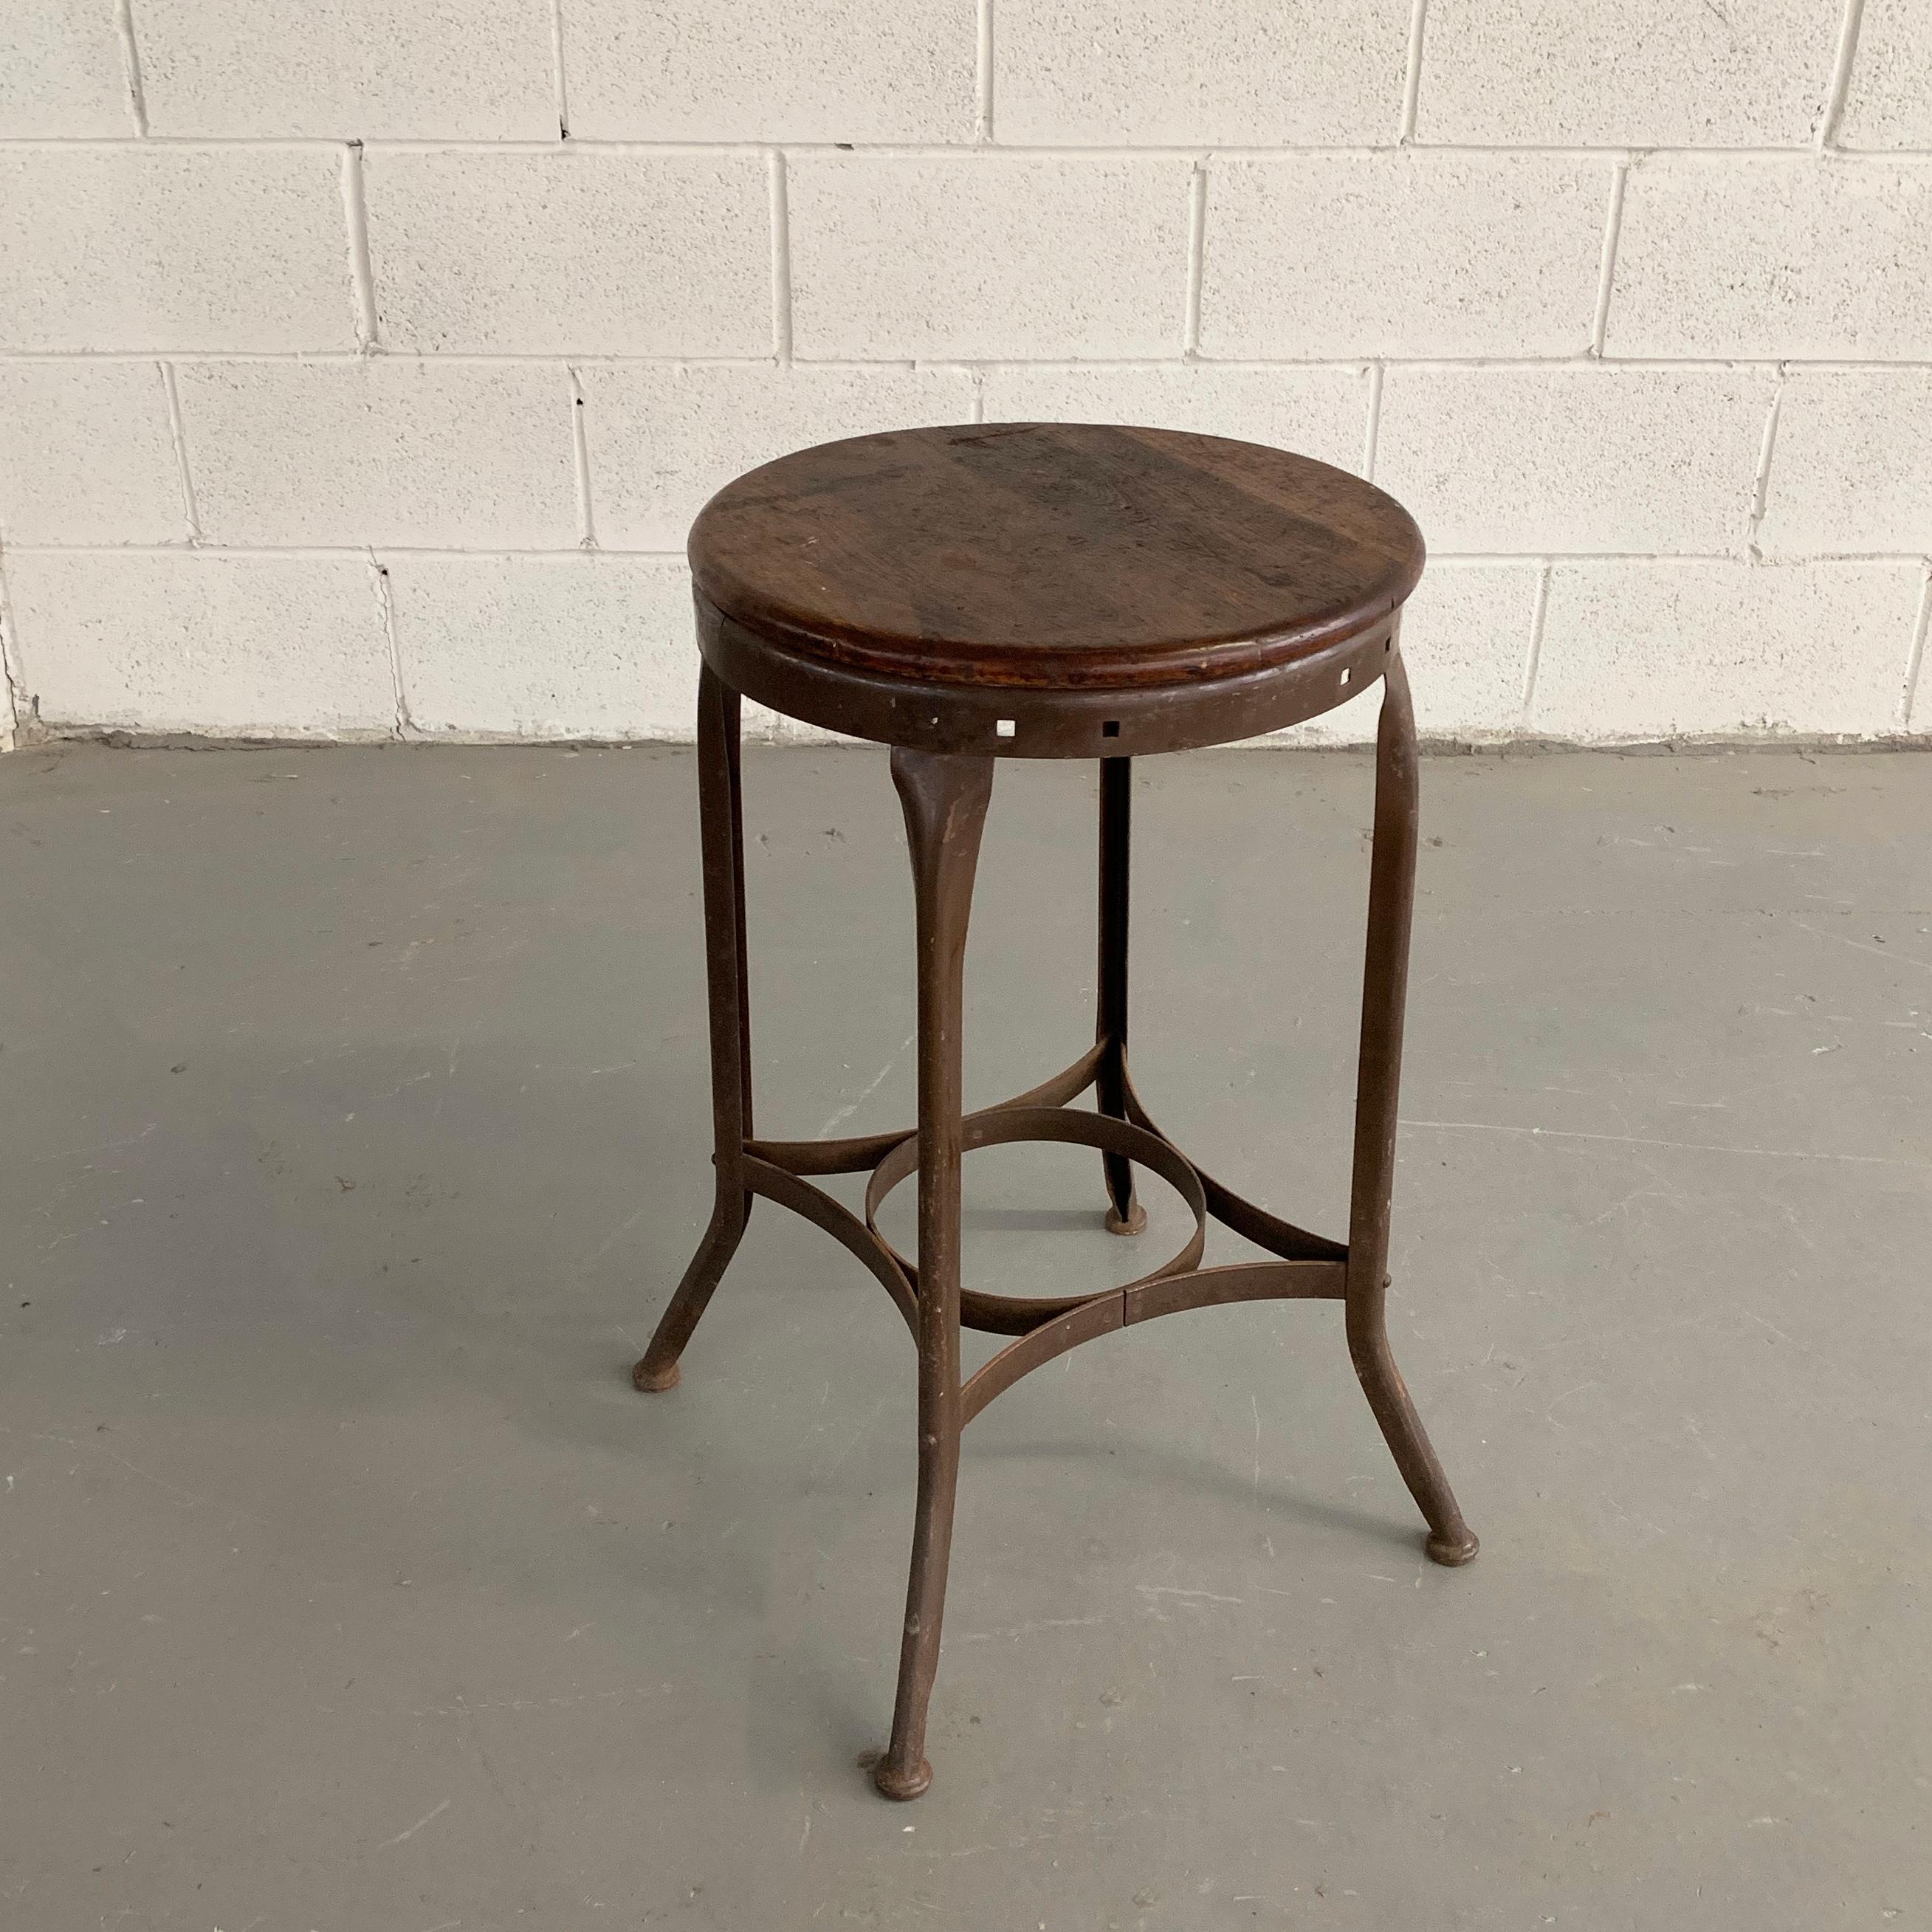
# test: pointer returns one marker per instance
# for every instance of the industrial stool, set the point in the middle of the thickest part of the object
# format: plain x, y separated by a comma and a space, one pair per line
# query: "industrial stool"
1034, 590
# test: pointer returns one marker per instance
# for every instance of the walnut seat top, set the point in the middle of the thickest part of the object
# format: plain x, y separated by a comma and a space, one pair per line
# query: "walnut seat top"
1048, 556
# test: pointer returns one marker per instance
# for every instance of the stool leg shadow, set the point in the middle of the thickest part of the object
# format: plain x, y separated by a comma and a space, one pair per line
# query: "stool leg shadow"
945, 801
1125, 1215
1385, 993
720, 813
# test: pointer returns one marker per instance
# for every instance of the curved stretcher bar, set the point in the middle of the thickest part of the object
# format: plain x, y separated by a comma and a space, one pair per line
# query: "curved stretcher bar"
842, 1224
1122, 1307
1310, 1267
865, 1151
1019, 1314
1252, 1223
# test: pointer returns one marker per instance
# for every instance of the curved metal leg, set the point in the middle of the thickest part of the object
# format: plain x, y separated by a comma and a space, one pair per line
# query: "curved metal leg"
1125, 1215
945, 801
721, 812
1385, 986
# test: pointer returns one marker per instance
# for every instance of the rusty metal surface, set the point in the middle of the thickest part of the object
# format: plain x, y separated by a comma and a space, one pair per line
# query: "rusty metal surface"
1378, 1077
1006, 1315
1072, 723
864, 1152
945, 796
721, 830
1125, 1215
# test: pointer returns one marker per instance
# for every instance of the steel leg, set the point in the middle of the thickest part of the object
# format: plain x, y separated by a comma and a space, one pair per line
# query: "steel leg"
721, 812
1385, 992
945, 800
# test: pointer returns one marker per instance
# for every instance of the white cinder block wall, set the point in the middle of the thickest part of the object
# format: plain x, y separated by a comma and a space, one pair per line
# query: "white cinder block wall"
362, 361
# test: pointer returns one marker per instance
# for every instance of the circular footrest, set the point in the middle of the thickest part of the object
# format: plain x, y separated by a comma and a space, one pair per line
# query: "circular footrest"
1016, 1315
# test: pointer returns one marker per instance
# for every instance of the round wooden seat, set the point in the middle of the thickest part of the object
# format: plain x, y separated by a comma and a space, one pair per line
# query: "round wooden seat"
1048, 590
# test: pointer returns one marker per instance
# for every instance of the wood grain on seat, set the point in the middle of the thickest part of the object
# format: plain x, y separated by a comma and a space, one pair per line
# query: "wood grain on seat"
1049, 556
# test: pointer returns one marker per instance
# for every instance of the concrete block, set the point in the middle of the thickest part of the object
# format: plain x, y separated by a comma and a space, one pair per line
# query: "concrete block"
1889, 102
1580, 459
1466, 635
989, 256
1851, 470
372, 70
190, 641
60, 70
393, 450
577, 647
86, 455
584, 251
1723, 256
1318, 412
1402, 254
662, 438
149, 247
1295, 73
1750, 73
775, 70
1633, 649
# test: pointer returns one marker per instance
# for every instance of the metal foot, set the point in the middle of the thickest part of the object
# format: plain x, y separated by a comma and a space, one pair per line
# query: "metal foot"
903, 1782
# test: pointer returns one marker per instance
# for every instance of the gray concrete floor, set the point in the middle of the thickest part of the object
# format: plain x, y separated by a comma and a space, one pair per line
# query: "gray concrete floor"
353, 1133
